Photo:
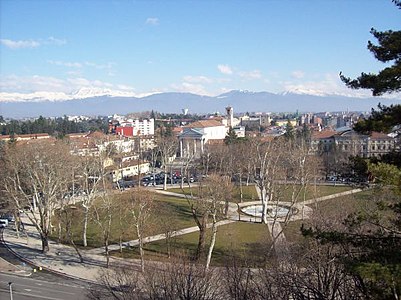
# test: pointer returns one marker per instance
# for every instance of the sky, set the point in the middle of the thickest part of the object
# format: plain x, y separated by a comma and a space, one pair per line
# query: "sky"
56, 49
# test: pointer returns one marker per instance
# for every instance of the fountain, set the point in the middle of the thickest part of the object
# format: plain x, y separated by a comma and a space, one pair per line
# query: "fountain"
273, 210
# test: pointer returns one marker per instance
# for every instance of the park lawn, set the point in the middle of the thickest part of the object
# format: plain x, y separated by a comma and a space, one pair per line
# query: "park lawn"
345, 204
168, 211
284, 192
248, 192
249, 242
292, 231
335, 209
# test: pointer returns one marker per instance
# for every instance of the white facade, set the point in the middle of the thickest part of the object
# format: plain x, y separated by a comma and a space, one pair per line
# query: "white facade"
195, 136
141, 126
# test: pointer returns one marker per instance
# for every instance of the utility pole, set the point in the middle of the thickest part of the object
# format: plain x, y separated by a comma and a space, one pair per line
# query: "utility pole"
11, 290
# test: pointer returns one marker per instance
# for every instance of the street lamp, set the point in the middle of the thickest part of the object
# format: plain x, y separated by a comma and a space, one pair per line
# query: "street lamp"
11, 290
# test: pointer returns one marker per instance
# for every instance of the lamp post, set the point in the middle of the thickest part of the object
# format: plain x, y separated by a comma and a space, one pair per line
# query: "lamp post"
11, 290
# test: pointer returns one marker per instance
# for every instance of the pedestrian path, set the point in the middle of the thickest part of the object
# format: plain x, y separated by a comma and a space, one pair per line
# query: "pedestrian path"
155, 238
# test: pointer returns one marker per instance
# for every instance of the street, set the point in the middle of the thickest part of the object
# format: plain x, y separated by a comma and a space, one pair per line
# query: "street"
25, 288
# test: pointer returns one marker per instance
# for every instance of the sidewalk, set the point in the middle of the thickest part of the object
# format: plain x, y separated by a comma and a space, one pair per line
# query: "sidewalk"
60, 259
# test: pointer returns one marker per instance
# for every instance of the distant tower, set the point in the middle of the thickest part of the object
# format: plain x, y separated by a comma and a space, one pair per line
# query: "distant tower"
230, 116
185, 111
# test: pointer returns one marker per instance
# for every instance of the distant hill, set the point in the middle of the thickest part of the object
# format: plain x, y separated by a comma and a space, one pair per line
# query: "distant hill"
241, 101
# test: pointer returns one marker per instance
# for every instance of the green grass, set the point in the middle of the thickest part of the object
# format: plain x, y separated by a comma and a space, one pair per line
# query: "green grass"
345, 204
248, 192
249, 241
292, 231
335, 210
169, 213
284, 192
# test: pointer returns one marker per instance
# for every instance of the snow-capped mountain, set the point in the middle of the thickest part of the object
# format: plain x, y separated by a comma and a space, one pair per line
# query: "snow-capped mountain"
82, 93
107, 102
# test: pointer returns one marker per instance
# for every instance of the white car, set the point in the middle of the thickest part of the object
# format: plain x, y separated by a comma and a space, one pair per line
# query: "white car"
3, 223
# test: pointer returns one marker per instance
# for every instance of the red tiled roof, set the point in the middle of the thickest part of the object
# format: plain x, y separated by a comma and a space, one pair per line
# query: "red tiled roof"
323, 134
379, 135
204, 123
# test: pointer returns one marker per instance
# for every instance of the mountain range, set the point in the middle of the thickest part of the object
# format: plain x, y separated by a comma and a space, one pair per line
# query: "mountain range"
241, 101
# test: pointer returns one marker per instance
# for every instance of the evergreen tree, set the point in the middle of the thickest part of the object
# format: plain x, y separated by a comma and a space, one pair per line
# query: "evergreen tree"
289, 130
373, 239
388, 50
382, 120
231, 137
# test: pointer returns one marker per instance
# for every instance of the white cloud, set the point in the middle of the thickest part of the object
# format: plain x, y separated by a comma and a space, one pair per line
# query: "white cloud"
197, 79
327, 84
225, 69
255, 74
298, 74
19, 44
152, 21
55, 41
65, 64
14, 44
108, 65
186, 87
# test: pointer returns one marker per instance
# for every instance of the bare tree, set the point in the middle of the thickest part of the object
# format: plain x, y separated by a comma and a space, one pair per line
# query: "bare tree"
66, 215
266, 157
141, 207
37, 177
217, 194
103, 213
167, 146
92, 173
120, 283
181, 279
240, 160
238, 280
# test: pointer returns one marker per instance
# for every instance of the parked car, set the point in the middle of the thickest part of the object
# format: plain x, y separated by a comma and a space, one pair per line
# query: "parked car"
3, 223
123, 184
8, 216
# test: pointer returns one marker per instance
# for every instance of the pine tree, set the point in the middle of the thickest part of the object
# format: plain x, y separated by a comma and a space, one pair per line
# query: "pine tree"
388, 50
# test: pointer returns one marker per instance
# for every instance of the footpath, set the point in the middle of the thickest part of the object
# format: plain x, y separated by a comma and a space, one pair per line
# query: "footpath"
63, 259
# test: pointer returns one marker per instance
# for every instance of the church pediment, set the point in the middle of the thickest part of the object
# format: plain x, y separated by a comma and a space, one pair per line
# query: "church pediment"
191, 133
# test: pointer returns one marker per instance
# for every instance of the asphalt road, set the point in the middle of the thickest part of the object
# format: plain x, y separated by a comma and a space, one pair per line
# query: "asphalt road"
40, 285
24, 288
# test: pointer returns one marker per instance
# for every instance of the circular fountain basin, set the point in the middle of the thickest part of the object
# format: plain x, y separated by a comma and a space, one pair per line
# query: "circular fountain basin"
273, 211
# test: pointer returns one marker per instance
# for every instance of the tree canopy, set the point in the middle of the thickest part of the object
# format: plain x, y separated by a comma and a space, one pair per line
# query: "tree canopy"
382, 120
388, 50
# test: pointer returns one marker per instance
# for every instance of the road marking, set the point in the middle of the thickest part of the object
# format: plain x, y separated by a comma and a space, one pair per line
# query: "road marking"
36, 296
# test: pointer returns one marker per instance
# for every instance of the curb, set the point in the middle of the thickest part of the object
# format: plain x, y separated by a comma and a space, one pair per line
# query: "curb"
44, 268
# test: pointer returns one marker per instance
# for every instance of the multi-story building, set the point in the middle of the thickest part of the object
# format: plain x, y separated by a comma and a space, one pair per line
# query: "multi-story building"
136, 127
352, 143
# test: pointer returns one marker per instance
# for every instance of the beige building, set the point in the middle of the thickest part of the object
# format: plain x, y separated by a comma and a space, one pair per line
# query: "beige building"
353, 143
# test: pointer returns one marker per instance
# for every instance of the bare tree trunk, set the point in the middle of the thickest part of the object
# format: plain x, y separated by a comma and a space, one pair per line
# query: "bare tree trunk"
264, 204
201, 242
165, 178
106, 248
141, 252
81, 259
212, 242
240, 189
84, 232
45, 242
